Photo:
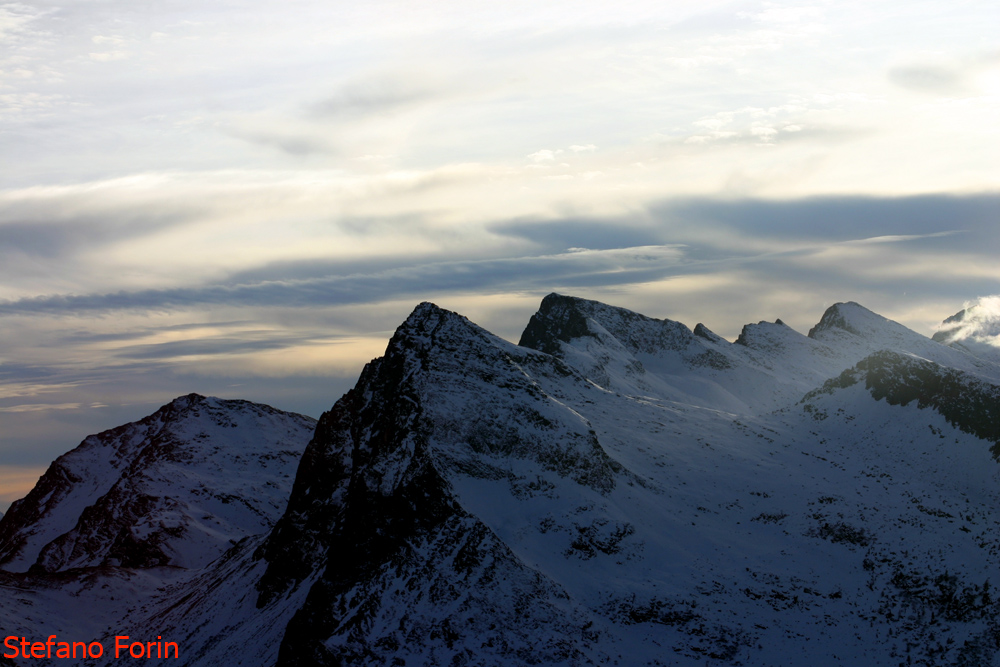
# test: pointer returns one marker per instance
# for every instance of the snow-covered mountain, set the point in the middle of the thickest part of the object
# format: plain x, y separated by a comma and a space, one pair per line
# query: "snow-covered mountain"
176, 488
615, 489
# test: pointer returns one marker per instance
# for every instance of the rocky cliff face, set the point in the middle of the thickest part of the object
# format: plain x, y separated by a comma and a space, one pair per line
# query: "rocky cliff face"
448, 404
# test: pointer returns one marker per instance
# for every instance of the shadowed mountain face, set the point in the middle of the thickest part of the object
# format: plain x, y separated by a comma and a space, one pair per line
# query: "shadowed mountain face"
447, 403
616, 489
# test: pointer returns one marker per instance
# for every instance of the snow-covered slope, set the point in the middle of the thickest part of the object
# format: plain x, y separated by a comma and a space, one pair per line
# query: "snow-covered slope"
176, 488
625, 526
616, 490
768, 366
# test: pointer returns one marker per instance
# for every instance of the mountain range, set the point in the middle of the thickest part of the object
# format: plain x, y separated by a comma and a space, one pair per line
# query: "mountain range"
612, 490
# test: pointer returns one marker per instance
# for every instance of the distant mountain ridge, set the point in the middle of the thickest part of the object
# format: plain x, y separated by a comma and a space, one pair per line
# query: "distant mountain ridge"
616, 489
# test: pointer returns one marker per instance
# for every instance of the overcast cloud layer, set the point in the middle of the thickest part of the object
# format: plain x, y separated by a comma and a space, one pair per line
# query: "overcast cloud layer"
245, 199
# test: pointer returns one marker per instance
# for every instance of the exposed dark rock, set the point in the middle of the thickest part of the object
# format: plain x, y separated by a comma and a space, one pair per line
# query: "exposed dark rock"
702, 331
968, 403
834, 318
563, 318
559, 318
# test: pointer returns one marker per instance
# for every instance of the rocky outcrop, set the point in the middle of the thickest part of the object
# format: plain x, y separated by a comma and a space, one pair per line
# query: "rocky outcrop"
965, 401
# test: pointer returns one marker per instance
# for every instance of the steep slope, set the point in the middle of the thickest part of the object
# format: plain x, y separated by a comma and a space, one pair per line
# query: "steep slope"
417, 576
178, 487
211, 613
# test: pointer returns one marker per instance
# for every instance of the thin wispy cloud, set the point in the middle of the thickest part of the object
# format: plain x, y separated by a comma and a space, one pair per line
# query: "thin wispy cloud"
580, 267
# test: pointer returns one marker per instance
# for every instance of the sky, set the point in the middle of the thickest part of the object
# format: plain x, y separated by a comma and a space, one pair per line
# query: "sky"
244, 198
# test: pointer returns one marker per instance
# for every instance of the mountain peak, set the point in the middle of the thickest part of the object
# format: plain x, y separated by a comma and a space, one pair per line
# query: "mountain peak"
427, 317
423, 310
975, 329
188, 400
978, 322
702, 331
646, 494
950, 327
559, 318
847, 316
173, 488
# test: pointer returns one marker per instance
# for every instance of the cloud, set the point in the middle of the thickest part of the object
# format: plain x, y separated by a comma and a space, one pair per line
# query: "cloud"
937, 79
897, 238
815, 118
946, 78
51, 239
477, 107
842, 218
40, 407
364, 110
375, 95
809, 18
713, 228
108, 56
558, 235
669, 238
87, 337
550, 155
39, 226
978, 321
285, 328
247, 342
293, 138
15, 18
114, 40
615, 266
544, 155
